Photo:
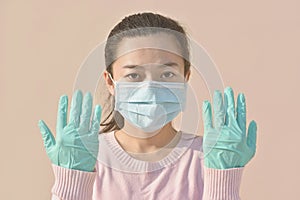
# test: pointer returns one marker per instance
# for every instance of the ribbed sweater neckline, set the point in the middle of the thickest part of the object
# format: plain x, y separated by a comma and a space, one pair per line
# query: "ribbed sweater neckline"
141, 165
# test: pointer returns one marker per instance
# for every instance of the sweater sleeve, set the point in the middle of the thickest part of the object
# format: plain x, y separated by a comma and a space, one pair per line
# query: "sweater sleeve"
222, 183
72, 184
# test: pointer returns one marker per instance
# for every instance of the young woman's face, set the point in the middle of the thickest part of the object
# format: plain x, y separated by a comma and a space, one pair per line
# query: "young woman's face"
144, 64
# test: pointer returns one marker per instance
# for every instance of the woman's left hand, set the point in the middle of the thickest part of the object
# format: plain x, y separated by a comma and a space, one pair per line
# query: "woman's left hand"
225, 143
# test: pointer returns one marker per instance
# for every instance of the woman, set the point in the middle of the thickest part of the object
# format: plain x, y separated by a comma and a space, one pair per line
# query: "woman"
139, 154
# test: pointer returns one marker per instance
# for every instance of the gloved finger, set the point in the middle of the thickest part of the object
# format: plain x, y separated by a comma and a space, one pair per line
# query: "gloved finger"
86, 113
62, 113
95, 126
241, 112
75, 109
229, 105
48, 138
206, 115
251, 137
219, 111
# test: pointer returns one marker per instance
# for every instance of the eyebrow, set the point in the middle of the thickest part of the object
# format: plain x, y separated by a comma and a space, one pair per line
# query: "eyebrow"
170, 64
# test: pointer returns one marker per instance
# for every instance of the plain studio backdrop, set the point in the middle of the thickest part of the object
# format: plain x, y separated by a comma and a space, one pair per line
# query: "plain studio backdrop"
255, 45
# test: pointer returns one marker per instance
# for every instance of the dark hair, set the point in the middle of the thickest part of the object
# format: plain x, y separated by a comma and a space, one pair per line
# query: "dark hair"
134, 26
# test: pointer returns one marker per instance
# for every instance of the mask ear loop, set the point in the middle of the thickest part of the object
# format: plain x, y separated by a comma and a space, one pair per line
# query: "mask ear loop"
111, 79
119, 119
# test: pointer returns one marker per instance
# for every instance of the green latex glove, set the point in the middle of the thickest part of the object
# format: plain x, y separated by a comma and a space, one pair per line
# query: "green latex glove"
225, 143
76, 144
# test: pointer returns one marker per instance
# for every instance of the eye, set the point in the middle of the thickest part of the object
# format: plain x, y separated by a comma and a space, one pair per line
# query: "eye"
168, 75
132, 76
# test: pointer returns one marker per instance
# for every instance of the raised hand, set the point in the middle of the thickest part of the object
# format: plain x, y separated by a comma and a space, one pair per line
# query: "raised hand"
225, 142
76, 144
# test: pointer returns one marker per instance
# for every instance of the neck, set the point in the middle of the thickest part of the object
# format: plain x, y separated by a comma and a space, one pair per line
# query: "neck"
134, 144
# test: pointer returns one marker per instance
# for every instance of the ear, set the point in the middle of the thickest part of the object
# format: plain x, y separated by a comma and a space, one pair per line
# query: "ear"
109, 84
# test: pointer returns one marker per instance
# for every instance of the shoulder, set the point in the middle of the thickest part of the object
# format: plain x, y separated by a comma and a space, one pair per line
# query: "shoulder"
195, 138
193, 142
103, 135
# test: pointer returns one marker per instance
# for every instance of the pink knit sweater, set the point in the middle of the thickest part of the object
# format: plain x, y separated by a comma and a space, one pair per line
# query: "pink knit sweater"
181, 175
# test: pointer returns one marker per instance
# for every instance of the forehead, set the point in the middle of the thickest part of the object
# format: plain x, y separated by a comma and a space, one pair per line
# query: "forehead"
142, 50
148, 56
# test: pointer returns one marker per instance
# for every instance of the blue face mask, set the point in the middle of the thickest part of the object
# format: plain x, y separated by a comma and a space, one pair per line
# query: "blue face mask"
149, 105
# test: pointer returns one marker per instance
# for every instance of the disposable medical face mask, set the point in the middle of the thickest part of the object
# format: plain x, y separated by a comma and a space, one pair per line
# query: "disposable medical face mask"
149, 105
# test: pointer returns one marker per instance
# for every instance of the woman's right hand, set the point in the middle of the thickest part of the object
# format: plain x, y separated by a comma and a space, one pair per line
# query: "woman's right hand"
76, 144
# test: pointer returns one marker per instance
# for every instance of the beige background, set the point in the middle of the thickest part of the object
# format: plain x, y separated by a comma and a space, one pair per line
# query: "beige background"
255, 44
